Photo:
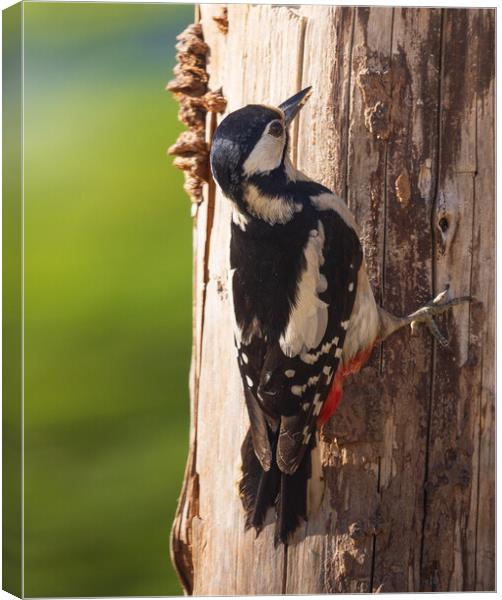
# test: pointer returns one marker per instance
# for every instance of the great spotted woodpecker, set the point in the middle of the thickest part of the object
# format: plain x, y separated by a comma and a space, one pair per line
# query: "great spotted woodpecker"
305, 314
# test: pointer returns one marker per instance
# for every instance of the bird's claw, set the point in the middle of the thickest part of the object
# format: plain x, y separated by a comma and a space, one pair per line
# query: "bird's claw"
439, 297
435, 307
436, 333
428, 320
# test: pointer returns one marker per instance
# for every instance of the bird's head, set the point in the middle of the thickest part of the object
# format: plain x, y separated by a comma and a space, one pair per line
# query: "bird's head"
252, 141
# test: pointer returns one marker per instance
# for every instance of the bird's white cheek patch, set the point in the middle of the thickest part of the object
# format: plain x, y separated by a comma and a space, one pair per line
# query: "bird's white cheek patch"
265, 156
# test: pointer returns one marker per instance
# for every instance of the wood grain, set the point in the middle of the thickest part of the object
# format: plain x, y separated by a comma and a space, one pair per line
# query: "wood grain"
454, 470
401, 125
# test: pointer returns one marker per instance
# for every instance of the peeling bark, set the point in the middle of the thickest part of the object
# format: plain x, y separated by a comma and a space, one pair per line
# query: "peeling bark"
190, 88
401, 124
221, 20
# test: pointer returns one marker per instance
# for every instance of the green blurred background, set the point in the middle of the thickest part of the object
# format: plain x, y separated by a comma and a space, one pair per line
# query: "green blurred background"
107, 299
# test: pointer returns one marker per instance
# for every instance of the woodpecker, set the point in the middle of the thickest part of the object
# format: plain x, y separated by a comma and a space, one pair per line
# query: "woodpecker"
304, 312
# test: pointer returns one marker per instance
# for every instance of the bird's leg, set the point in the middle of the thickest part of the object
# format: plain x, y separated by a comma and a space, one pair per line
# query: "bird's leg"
390, 323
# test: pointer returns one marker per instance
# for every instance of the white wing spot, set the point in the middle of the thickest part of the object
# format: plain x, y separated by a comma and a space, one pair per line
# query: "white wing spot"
310, 358
245, 358
326, 370
313, 380
306, 439
289, 373
249, 381
351, 286
297, 390
338, 353
305, 406
345, 325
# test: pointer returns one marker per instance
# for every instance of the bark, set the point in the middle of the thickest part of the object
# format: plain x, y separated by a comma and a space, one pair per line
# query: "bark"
401, 124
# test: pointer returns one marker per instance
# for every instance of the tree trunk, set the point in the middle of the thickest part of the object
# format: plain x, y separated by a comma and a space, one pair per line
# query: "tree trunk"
401, 125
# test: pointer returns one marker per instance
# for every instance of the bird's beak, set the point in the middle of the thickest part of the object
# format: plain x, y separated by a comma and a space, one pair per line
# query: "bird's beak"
291, 107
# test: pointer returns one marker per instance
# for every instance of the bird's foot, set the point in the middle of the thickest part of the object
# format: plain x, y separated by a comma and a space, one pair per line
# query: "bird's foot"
433, 308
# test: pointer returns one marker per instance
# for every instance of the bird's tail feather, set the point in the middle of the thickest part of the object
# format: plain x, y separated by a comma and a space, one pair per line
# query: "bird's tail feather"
259, 490
292, 501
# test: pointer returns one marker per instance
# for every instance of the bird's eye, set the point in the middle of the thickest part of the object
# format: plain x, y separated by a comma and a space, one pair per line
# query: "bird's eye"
275, 128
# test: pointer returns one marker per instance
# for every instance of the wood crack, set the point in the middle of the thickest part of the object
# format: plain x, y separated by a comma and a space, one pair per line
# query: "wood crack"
299, 83
434, 284
381, 361
478, 474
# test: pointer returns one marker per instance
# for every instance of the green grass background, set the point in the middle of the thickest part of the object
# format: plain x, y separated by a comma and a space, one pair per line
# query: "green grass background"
107, 299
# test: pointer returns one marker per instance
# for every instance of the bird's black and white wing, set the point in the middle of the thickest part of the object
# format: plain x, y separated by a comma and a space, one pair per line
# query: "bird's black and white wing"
301, 368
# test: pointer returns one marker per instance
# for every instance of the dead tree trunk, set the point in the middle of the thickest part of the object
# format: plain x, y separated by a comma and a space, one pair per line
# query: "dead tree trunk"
401, 124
